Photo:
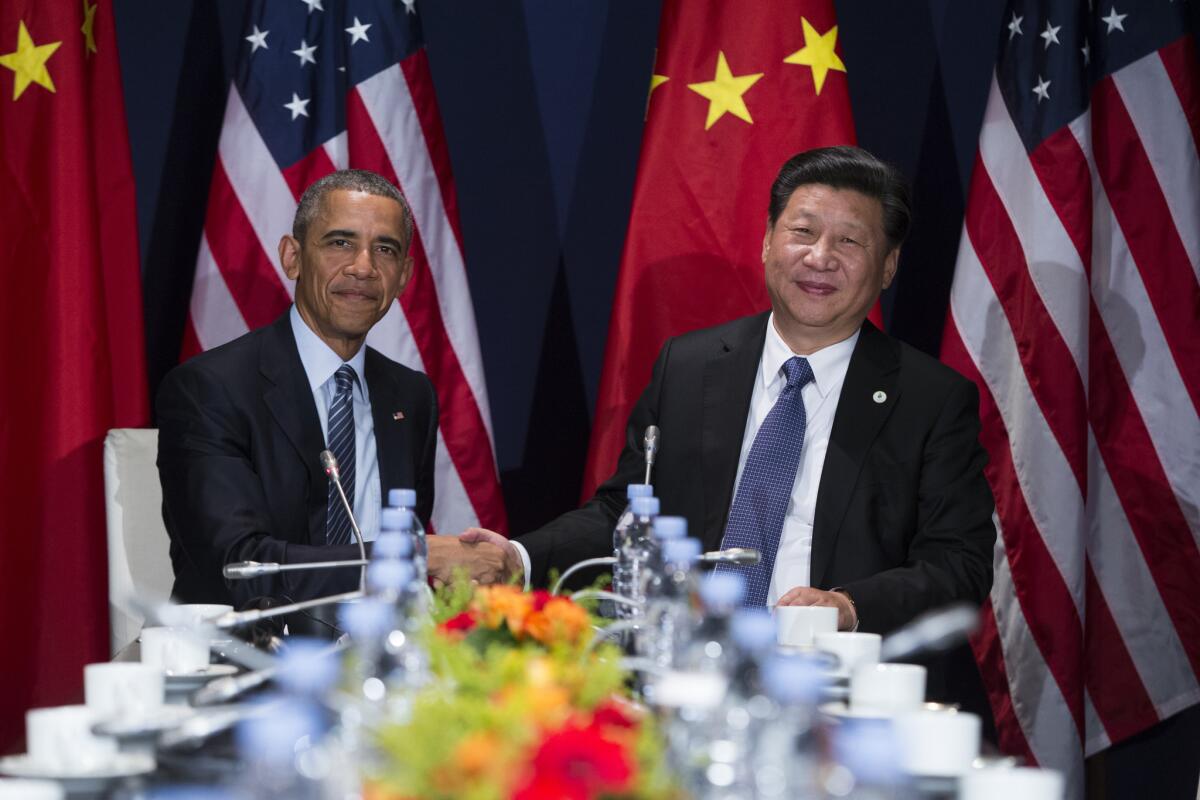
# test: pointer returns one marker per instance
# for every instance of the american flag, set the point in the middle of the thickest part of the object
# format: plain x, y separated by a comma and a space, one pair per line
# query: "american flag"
329, 84
1075, 307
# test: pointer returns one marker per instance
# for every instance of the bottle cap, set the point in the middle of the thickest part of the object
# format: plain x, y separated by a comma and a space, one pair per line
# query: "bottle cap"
396, 519
753, 630
681, 551
402, 498
639, 490
794, 680
389, 575
366, 618
670, 527
273, 735
721, 592
392, 545
307, 666
644, 506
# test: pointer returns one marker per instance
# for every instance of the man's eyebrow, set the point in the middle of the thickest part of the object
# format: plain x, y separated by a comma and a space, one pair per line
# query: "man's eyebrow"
390, 240
340, 233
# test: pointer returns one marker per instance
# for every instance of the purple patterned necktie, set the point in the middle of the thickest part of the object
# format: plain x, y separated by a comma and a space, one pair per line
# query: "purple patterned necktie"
759, 508
341, 444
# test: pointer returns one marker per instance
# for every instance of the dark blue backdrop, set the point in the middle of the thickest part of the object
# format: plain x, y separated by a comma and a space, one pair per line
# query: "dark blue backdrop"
542, 102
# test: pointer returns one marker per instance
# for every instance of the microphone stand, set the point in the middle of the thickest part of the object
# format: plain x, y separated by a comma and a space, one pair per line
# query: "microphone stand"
329, 462
650, 445
232, 619
244, 570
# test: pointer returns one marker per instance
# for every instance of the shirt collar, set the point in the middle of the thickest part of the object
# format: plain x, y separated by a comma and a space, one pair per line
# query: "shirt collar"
829, 364
319, 360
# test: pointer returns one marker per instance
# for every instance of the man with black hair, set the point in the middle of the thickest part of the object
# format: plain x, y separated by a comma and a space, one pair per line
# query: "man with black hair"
851, 460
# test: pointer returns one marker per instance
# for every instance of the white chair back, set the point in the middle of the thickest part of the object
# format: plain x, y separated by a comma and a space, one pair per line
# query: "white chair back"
139, 561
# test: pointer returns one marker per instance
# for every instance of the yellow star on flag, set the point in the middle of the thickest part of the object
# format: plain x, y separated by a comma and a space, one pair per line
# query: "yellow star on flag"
28, 61
817, 53
657, 81
89, 24
724, 93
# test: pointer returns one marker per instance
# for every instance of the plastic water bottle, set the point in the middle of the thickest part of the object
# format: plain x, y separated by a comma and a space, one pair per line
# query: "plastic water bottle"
670, 614
634, 553
620, 581
665, 528
406, 499
787, 756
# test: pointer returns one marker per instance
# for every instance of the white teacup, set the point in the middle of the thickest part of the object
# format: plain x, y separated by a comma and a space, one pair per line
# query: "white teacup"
177, 651
937, 743
852, 649
887, 688
123, 689
188, 614
21, 789
1001, 783
60, 739
797, 625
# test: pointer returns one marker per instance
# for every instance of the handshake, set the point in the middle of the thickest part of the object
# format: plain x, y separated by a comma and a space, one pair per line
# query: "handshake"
487, 557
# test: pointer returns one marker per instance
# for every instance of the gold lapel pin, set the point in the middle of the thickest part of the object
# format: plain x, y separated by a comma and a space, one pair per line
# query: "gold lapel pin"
398, 415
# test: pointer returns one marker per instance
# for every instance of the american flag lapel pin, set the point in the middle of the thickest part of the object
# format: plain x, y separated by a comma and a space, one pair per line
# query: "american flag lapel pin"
398, 415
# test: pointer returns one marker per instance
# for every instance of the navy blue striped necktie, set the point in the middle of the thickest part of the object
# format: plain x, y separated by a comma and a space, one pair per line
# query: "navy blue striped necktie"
341, 444
760, 505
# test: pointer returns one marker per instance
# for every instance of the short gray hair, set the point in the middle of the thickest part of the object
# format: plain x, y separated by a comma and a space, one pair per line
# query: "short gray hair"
350, 180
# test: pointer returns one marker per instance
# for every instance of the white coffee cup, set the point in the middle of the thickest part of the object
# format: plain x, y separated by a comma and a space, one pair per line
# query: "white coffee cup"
177, 651
937, 743
190, 614
797, 625
123, 689
60, 739
852, 649
887, 688
21, 789
1004, 783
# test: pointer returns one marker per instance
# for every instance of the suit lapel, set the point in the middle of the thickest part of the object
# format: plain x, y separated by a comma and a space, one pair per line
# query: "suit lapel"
290, 401
874, 367
391, 432
728, 386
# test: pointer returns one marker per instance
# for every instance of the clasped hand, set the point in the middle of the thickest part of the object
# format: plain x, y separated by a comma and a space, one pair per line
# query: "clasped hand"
487, 557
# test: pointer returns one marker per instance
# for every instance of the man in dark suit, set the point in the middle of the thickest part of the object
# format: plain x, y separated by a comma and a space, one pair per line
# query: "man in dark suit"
849, 459
242, 426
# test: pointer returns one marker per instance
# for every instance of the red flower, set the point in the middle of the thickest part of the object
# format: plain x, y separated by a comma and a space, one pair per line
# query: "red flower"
577, 763
459, 624
610, 714
540, 598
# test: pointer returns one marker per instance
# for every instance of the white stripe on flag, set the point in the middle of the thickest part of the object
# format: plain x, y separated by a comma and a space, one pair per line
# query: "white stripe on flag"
1161, 124
215, 317
1054, 263
257, 182
1146, 360
1037, 701
338, 151
388, 102
1043, 473
1133, 597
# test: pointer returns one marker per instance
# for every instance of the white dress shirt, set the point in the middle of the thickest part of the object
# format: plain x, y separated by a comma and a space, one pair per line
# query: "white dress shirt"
829, 365
320, 363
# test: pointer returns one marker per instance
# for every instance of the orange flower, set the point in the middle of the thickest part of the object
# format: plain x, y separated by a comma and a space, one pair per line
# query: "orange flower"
476, 753
508, 604
560, 620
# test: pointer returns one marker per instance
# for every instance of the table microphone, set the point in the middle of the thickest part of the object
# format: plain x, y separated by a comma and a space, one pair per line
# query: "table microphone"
232, 619
650, 444
734, 555
242, 570
932, 632
330, 463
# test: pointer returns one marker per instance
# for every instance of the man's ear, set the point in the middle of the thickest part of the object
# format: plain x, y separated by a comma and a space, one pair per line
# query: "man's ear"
289, 256
766, 248
405, 274
890, 263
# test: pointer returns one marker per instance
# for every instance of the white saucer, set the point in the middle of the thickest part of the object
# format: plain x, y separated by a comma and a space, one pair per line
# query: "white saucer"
839, 710
149, 723
184, 681
122, 765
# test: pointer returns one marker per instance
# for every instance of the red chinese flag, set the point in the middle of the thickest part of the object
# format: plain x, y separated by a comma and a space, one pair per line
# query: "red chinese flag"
737, 89
71, 348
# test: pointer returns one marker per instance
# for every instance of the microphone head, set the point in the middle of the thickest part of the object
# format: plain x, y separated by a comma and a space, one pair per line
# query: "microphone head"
650, 441
330, 463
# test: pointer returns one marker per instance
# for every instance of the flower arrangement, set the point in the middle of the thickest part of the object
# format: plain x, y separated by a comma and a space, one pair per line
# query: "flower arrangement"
523, 707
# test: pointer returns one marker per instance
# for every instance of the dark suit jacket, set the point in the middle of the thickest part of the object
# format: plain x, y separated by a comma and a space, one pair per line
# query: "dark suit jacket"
904, 514
239, 448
